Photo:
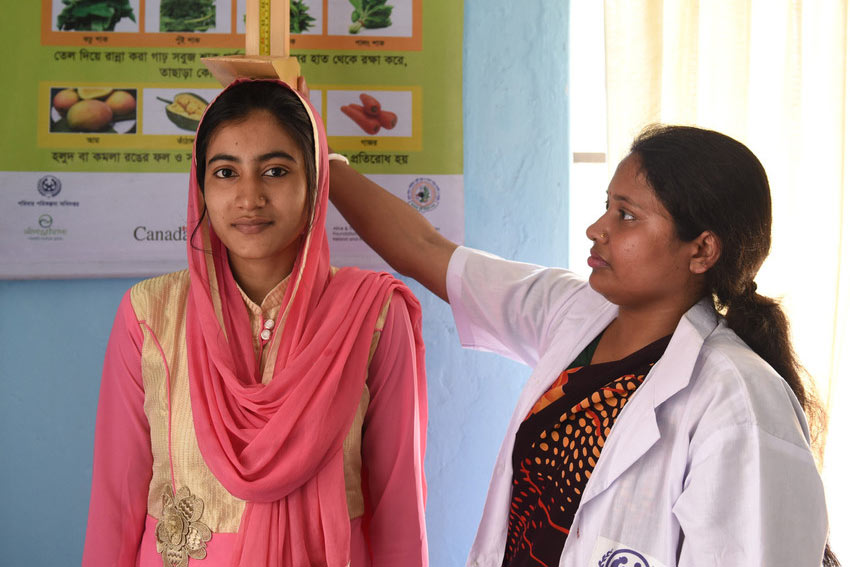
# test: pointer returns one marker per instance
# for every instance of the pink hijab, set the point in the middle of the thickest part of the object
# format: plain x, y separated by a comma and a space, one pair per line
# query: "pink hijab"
279, 446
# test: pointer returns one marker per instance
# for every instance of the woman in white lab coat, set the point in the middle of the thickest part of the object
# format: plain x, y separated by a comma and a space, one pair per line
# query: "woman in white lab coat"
665, 421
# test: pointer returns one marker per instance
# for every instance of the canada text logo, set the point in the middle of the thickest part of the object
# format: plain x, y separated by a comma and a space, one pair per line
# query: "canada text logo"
143, 233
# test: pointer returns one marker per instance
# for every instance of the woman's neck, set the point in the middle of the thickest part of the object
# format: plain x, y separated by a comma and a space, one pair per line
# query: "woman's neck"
634, 329
258, 277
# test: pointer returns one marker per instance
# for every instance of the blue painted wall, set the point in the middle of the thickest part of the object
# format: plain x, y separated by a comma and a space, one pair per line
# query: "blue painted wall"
53, 333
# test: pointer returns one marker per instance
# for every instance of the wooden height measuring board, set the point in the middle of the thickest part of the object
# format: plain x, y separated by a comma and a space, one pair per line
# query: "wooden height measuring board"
266, 47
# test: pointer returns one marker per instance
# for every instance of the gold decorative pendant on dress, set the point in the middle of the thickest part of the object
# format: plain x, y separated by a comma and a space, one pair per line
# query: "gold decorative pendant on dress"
180, 534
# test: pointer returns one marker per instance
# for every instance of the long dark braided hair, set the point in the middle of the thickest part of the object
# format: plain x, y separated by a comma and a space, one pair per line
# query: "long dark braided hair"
709, 181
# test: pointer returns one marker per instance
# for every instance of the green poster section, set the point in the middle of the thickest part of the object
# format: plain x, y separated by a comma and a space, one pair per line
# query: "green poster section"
426, 83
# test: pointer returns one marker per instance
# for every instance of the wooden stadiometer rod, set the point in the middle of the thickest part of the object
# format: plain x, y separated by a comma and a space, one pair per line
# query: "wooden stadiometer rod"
266, 47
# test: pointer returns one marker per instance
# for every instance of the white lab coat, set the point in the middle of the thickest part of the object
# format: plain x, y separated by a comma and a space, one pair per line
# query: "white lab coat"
709, 461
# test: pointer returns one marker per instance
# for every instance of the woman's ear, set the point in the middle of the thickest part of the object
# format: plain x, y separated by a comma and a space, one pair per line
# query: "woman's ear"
707, 250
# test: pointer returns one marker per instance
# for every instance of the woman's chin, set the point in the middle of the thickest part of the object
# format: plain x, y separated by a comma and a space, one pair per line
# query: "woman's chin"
599, 285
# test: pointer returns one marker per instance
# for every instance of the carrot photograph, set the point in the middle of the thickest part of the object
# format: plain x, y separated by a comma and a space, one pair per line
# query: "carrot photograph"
370, 115
370, 104
369, 124
387, 119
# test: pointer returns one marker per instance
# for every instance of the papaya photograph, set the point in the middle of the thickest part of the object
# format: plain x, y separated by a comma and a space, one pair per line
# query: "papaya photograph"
386, 18
96, 15
175, 111
370, 113
105, 110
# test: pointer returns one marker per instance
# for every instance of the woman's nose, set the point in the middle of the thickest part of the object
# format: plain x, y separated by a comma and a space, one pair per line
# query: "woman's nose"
250, 193
595, 232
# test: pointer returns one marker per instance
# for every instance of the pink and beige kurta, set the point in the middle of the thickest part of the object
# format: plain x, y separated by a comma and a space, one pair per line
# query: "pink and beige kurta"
286, 434
385, 488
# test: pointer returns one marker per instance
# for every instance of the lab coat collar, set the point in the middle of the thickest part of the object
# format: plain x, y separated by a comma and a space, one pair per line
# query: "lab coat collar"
677, 363
636, 429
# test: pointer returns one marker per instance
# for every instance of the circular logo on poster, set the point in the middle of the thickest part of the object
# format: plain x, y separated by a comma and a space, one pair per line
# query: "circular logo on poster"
423, 194
45, 221
49, 186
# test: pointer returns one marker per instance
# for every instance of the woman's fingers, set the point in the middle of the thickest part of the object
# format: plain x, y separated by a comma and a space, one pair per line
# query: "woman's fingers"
302, 88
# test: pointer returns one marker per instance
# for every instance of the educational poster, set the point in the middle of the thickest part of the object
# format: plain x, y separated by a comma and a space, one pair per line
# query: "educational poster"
103, 97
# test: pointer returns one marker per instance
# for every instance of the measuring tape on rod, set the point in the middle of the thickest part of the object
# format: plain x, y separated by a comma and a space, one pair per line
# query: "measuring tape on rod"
265, 27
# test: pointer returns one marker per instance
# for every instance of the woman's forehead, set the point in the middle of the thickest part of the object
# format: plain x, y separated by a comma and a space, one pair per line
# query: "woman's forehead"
629, 185
256, 126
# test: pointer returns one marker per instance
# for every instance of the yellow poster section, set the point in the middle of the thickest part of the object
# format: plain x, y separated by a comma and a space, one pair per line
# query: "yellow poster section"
138, 139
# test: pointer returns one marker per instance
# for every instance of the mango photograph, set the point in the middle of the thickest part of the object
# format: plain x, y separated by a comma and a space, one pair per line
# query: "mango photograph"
89, 109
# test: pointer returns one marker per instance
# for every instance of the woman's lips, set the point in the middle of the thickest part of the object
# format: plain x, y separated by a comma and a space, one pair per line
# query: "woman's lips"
596, 261
251, 226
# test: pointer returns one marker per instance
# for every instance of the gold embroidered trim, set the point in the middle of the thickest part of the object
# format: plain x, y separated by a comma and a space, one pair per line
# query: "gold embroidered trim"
180, 534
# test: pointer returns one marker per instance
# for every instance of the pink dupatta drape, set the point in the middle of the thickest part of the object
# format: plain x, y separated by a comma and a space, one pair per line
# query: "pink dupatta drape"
279, 446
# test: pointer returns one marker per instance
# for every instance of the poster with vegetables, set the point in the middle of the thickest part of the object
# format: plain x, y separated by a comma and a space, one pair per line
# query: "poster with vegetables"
95, 15
107, 96
186, 15
93, 109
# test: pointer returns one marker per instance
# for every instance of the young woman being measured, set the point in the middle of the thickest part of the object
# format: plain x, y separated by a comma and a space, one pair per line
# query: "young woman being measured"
261, 407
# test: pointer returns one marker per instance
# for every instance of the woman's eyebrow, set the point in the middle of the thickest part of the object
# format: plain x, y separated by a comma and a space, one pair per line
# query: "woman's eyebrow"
275, 154
263, 157
223, 157
624, 199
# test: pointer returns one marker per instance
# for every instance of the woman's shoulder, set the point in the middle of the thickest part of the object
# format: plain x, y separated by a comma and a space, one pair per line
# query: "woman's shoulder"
398, 295
160, 292
739, 388
346, 275
163, 284
362, 273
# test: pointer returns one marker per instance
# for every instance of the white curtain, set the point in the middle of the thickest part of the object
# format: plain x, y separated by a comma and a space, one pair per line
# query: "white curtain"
774, 75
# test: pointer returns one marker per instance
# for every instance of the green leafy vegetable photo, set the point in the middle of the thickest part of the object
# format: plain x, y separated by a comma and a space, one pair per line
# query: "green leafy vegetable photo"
186, 15
93, 15
370, 14
300, 19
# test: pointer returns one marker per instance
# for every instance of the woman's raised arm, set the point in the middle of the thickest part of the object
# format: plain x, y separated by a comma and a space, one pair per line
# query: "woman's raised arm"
399, 234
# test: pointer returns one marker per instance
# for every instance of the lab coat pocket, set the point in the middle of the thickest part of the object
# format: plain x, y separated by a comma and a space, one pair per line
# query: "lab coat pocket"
610, 553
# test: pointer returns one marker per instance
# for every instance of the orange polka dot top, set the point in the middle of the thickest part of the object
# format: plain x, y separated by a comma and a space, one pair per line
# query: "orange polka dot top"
557, 447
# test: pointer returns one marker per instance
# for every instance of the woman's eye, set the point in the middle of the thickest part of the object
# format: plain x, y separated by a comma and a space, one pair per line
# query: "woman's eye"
224, 173
275, 172
626, 215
